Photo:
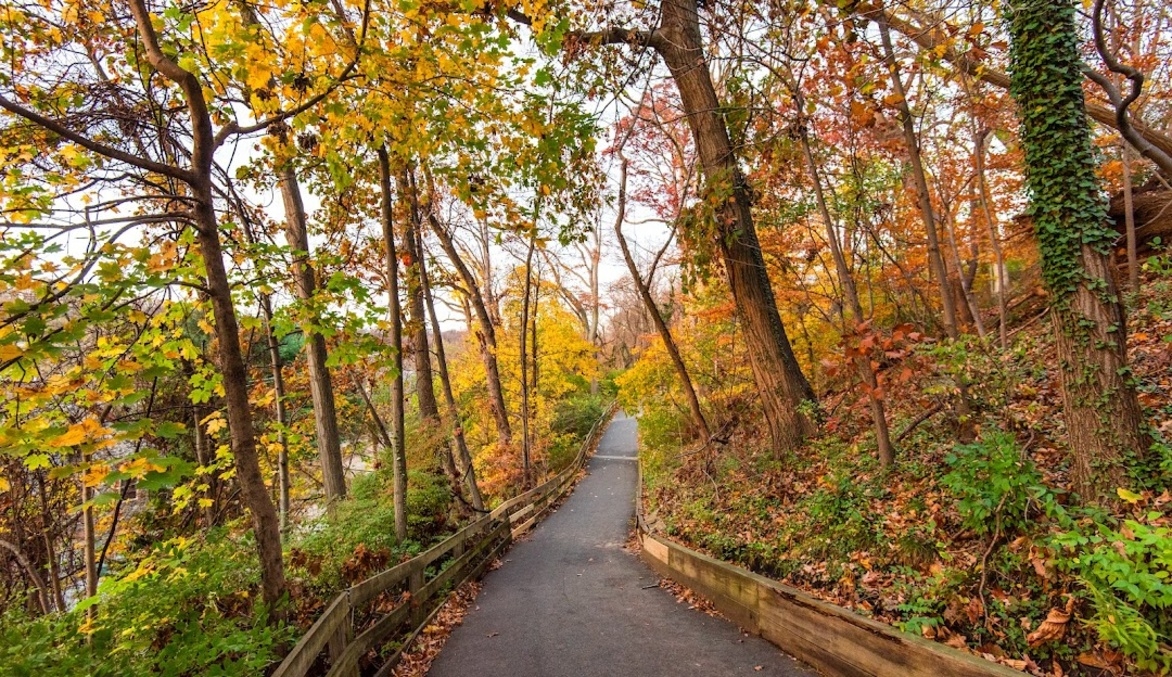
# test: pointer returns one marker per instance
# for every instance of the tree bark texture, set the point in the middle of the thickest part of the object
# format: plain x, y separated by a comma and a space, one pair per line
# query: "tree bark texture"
398, 432
321, 387
786, 395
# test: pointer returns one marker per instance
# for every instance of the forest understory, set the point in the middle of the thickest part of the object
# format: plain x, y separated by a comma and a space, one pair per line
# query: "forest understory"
977, 545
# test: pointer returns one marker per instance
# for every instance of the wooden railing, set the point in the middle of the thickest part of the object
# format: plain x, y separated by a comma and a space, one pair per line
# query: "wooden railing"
351, 625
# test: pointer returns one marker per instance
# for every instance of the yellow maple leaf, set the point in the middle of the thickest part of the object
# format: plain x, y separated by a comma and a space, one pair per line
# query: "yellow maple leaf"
76, 434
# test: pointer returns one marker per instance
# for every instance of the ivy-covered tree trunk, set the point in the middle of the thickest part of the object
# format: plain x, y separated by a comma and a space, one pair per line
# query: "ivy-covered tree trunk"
1070, 221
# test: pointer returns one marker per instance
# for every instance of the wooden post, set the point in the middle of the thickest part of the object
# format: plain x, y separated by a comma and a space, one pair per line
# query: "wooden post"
342, 636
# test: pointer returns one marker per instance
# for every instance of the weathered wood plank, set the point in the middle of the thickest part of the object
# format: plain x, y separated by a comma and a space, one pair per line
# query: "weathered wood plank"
372, 587
384, 626
306, 651
832, 639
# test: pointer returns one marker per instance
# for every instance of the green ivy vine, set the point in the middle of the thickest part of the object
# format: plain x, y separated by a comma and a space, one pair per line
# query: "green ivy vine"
1066, 203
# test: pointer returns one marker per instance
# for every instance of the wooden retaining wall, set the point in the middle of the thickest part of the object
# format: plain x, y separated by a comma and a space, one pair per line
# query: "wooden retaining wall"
832, 639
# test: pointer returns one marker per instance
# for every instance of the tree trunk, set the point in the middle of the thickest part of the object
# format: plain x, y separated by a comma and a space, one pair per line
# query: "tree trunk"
1103, 416
525, 394
89, 542
669, 343
398, 446
416, 324
321, 388
935, 260
43, 597
966, 300
994, 239
1129, 223
485, 336
50, 551
595, 305
240, 425
863, 358
464, 456
786, 395
282, 418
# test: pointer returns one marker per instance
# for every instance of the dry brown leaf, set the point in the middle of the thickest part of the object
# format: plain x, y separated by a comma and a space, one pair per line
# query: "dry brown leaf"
1054, 627
1092, 660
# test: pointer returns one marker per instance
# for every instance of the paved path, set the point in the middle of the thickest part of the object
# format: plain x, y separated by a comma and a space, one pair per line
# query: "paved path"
570, 601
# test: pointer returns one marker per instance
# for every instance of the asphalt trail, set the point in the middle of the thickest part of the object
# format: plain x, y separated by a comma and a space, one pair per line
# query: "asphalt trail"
569, 601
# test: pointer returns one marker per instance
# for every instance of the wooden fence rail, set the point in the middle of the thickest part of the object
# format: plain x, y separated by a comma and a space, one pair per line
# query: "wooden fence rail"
353, 624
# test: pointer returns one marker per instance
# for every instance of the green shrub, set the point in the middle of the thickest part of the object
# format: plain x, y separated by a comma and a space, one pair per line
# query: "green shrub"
577, 415
1126, 573
187, 608
995, 484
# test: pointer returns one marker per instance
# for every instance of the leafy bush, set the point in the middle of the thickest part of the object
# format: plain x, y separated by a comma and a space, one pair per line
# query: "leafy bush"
577, 415
572, 421
994, 484
323, 555
839, 518
187, 608
1126, 574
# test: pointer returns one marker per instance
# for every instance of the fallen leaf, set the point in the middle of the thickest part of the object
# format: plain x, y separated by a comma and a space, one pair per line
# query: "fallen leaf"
1093, 661
1054, 627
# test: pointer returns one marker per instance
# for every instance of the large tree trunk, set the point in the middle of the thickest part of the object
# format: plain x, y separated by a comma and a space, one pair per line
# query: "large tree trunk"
321, 388
398, 436
485, 335
786, 395
669, 342
1103, 416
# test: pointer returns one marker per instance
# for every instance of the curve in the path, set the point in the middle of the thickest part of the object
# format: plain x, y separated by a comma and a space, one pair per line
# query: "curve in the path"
569, 600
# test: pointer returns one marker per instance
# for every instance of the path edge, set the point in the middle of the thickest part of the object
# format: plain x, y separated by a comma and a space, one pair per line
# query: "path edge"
832, 639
